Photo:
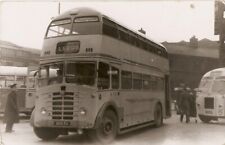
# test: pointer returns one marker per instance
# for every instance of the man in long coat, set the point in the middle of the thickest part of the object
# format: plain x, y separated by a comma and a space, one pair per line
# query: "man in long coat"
185, 102
11, 109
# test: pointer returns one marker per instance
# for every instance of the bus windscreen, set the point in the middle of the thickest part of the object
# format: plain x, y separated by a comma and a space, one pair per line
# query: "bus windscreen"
81, 73
206, 83
59, 28
81, 26
50, 74
218, 86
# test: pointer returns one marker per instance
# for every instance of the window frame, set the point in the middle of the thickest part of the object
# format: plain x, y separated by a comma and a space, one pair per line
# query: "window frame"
59, 25
72, 62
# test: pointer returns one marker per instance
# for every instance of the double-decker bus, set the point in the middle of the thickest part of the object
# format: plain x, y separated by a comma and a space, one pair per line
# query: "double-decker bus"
19, 75
210, 96
99, 77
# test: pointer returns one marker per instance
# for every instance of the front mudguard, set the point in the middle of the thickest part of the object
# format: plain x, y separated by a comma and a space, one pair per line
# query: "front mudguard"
32, 118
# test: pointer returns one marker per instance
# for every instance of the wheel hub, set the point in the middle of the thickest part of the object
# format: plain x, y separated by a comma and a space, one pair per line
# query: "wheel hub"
107, 127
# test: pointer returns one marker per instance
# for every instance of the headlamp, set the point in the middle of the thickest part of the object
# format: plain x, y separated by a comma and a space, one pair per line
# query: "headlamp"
43, 111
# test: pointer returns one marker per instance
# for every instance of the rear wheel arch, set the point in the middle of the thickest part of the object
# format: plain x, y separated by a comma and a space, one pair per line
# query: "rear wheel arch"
158, 114
158, 102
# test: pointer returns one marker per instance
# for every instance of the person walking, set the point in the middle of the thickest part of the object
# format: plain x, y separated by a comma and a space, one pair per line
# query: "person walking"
185, 105
179, 91
11, 115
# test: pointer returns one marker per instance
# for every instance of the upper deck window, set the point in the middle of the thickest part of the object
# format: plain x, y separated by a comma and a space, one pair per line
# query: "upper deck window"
86, 25
59, 28
110, 28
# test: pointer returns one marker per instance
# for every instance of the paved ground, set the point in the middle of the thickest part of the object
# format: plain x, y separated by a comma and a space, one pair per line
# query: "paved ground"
171, 133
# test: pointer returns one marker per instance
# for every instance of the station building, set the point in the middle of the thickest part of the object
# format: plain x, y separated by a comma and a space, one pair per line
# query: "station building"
189, 61
14, 55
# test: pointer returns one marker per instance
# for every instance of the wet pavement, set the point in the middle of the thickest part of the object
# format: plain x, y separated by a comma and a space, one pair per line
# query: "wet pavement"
171, 133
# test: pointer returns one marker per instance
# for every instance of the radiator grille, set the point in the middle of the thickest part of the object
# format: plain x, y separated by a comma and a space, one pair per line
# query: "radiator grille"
64, 107
209, 103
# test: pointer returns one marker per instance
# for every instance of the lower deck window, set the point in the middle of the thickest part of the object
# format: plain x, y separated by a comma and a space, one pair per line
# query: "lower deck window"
137, 81
81, 73
126, 80
103, 76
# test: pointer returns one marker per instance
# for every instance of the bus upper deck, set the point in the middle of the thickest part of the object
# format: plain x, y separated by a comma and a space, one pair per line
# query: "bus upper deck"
85, 32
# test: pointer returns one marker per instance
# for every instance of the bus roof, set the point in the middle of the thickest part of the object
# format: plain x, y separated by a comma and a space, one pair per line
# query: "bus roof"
13, 70
84, 11
215, 73
79, 12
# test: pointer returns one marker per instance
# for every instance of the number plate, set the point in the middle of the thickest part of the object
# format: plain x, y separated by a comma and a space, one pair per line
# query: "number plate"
62, 123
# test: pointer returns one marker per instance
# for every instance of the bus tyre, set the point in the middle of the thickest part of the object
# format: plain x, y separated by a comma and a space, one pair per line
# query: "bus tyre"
46, 133
204, 119
158, 119
106, 129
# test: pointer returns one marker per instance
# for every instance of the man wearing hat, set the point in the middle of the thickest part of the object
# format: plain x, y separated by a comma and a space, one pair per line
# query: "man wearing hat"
11, 109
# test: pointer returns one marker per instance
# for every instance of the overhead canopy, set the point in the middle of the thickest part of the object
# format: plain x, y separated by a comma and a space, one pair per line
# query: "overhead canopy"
12, 70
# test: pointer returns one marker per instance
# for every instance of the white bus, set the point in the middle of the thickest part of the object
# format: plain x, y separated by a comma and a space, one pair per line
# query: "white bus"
100, 77
211, 96
19, 75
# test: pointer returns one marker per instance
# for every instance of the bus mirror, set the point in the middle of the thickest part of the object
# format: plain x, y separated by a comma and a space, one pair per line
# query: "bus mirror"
36, 72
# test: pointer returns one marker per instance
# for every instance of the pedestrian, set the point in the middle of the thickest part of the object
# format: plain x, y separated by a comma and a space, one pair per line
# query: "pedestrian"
193, 112
179, 91
11, 115
185, 101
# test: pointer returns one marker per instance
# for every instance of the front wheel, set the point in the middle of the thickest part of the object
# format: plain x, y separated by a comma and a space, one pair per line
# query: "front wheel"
204, 119
158, 117
46, 133
107, 126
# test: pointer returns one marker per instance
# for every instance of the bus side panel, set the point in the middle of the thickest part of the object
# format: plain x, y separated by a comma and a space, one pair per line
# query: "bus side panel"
138, 107
21, 98
167, 97
3, 97
30, 98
